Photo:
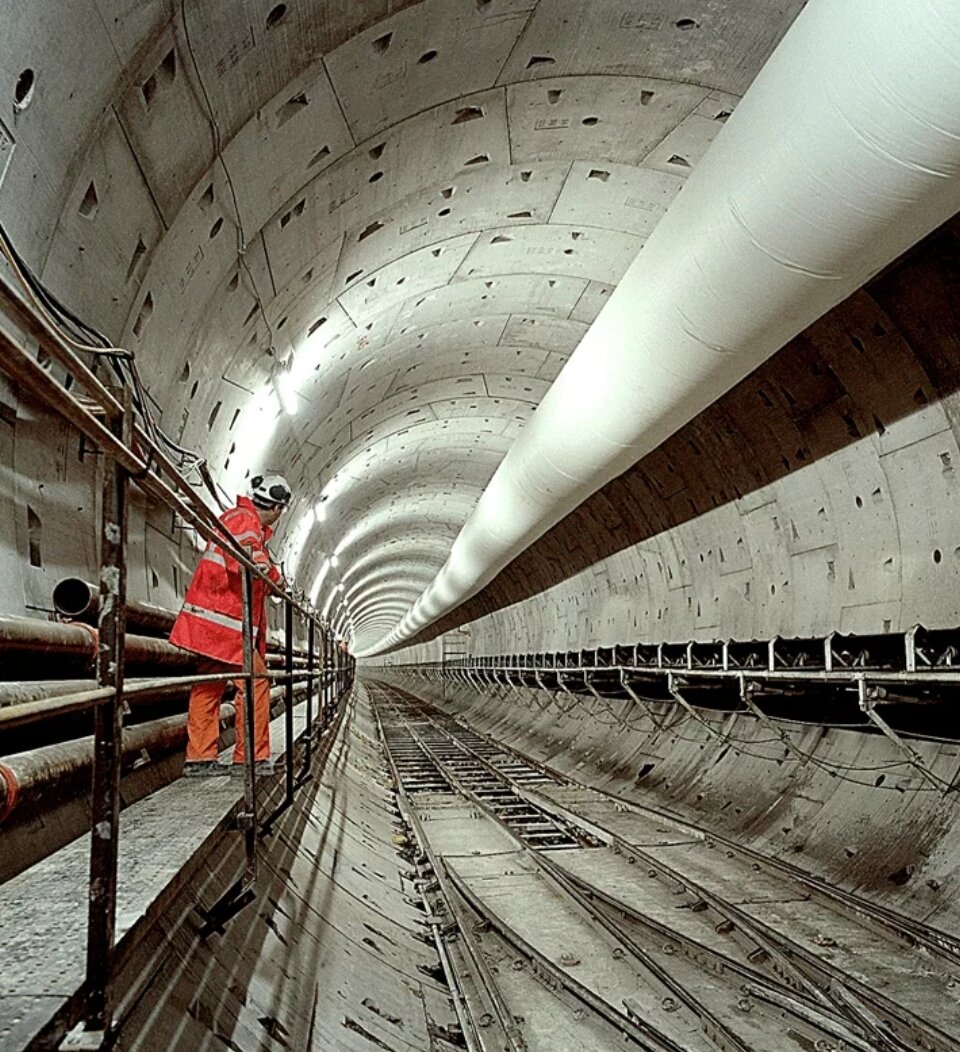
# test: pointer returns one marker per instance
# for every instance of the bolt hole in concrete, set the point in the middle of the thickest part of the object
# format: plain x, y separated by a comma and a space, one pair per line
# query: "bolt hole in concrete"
23, 91
687, 23
590, 121
163, 75
369, 230
469, 113
139, 251
145, 311
427, 56
319, 156
215, 229
90, 203
376, 177
34, 534
937, 555
276, 15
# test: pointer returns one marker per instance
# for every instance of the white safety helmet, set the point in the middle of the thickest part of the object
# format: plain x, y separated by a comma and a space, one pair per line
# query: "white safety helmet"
270, 491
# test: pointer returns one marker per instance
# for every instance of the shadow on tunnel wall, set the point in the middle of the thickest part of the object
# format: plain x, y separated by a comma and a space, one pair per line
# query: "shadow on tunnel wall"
884, 353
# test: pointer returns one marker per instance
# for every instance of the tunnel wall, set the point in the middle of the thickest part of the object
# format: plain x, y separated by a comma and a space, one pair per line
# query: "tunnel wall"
48, 484
111, 188
818, 495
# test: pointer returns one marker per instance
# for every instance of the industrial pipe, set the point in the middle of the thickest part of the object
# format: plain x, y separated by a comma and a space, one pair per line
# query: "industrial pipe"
844, 152
30, 776
135, 692
31, 642
23, 692
80, 601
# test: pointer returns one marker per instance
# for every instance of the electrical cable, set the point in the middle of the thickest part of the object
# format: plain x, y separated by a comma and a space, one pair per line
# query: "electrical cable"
71, 329
741, 745
84, 338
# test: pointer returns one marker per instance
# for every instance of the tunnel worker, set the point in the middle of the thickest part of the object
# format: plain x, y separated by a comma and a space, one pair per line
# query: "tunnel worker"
210, 624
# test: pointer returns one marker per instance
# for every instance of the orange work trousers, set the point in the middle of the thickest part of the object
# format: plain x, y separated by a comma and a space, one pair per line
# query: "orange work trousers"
203, 716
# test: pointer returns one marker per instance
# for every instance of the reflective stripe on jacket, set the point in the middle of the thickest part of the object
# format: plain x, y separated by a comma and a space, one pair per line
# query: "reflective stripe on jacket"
210, 621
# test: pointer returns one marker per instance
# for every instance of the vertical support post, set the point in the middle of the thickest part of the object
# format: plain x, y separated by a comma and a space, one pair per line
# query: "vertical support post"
288, 697
108, 731
338, 670
308, 737
868, 697
247, 820
324, 664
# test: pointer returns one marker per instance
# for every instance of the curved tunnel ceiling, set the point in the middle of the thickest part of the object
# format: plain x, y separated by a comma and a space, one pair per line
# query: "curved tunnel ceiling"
416, 212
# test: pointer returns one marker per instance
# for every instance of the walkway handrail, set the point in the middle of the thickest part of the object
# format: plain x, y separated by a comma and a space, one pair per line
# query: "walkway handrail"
107, 419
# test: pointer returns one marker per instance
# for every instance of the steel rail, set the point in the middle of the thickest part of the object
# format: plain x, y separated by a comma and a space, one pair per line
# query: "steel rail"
716, 1032
904, 929
484, 981
835, 984
769, 983
636, 1030
713, 1028
645, 1033
850, 1003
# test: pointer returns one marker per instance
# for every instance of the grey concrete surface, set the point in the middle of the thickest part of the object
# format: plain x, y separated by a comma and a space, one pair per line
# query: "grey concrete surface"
418, 209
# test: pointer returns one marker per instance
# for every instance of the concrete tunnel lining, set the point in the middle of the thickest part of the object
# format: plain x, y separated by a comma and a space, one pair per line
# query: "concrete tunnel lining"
418, 249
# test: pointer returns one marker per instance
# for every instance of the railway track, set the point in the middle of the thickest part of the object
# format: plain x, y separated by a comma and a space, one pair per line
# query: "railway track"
709, 970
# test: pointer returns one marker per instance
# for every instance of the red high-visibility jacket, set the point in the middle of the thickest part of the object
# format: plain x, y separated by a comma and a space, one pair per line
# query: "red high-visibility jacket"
210, 621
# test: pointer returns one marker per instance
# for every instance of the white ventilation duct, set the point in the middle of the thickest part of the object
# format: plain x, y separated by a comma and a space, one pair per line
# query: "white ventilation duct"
844, 152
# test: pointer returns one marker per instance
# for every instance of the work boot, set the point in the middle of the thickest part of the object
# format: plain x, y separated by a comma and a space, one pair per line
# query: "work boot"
263, 767
203, 769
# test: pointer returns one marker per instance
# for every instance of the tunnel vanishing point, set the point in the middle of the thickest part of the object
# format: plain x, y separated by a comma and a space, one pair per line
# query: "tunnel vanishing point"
611, 352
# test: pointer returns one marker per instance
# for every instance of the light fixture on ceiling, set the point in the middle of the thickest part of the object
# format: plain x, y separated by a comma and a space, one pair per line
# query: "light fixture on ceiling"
287, 391
259, 418
299, 538
318, 581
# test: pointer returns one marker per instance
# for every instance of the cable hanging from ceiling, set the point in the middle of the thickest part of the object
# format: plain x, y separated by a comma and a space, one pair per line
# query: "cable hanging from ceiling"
86, 339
